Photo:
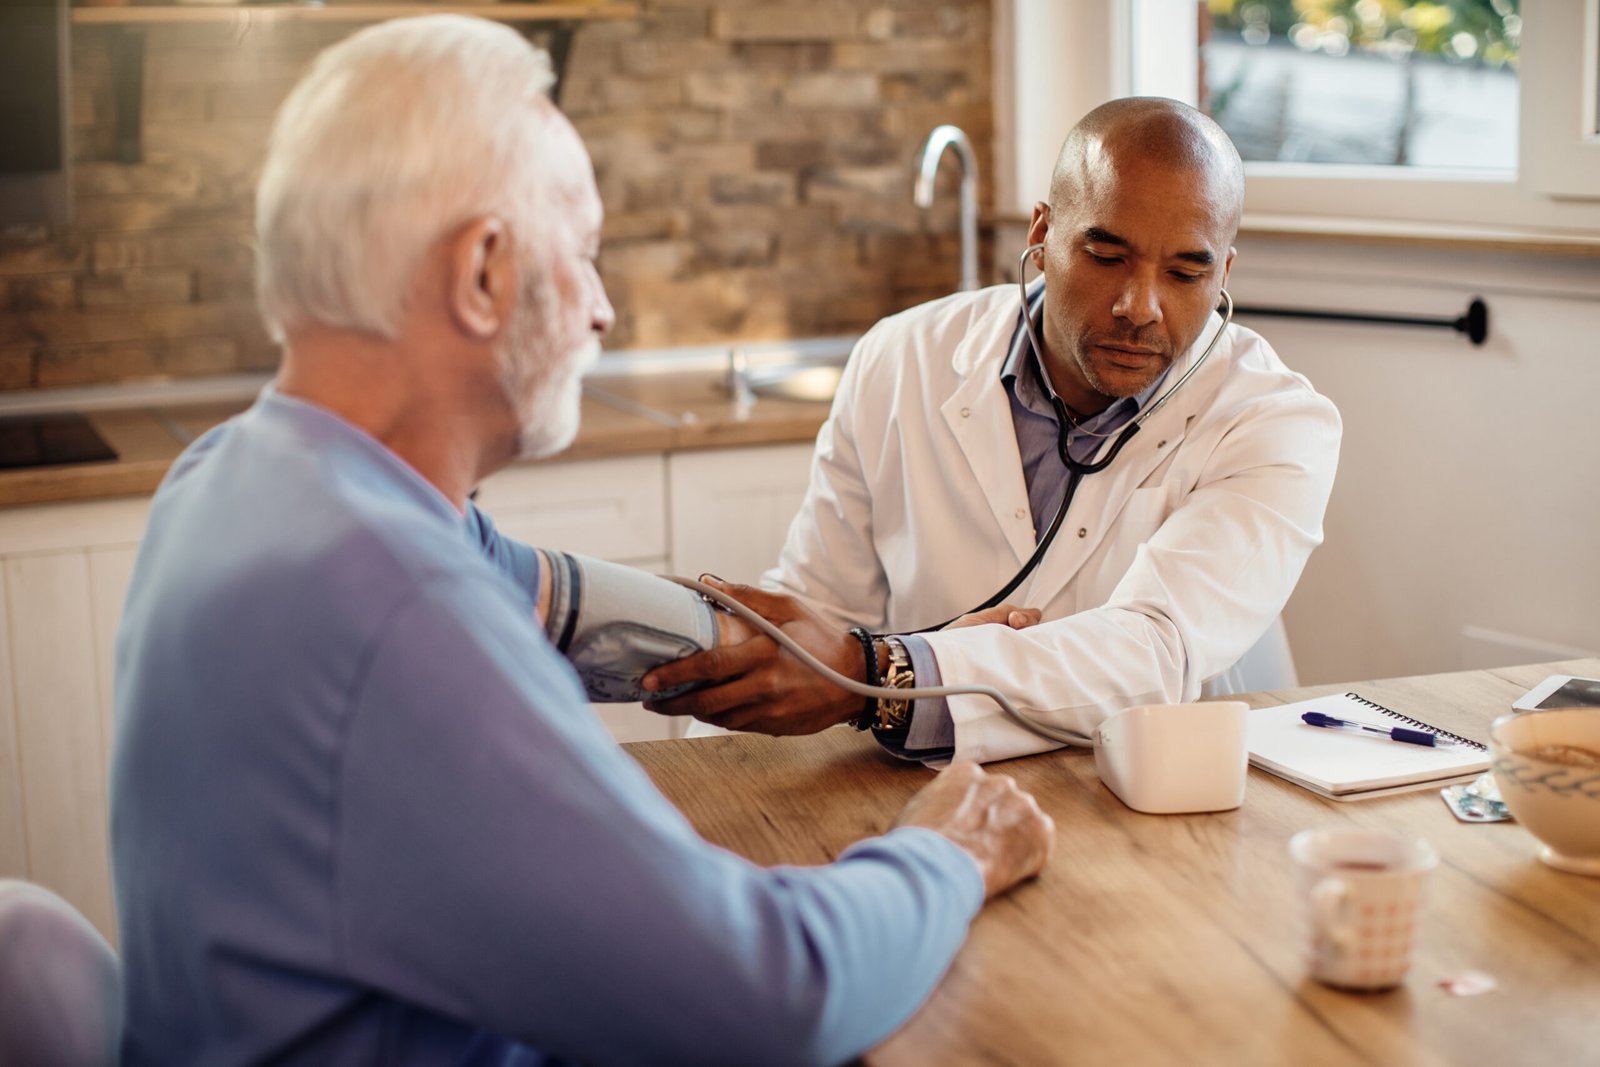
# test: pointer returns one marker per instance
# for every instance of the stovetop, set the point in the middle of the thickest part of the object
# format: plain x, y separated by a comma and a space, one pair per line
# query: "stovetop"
50, 440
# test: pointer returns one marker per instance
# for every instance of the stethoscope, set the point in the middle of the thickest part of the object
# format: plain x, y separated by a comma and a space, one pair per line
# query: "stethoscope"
1076, 471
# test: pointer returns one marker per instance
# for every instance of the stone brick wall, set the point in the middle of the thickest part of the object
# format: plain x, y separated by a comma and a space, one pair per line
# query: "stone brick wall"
755, 159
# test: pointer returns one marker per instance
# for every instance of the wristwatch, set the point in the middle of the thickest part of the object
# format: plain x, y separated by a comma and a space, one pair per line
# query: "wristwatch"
896, 714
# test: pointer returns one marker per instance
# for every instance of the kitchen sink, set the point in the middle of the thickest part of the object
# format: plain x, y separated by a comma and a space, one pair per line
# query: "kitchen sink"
669, 386
816, 382
812, 378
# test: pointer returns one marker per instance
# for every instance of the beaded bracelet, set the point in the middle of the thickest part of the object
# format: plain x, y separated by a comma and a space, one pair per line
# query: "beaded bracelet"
869, 649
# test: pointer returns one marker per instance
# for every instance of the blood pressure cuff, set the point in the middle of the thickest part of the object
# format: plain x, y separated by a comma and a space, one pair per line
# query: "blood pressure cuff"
615, 623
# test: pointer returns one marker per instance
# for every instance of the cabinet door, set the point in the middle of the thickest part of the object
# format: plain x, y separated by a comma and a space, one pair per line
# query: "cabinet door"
61, 752
13, 836
731, 508
110, 572
64, 573
631, 722
609, 508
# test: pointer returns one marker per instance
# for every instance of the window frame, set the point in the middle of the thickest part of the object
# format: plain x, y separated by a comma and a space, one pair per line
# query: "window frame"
1560, 146
1555, 195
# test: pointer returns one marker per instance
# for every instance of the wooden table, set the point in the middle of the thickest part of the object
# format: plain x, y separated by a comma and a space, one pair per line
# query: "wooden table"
1156, 939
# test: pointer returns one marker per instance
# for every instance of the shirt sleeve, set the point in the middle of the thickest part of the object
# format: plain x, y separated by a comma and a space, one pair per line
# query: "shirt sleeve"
932, 733
513, 558
500, 860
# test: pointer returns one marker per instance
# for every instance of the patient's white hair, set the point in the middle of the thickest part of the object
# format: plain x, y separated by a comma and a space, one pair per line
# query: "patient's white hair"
396, 136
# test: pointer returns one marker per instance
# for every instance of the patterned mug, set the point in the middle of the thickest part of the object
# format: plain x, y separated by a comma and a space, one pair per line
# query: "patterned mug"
1361, 896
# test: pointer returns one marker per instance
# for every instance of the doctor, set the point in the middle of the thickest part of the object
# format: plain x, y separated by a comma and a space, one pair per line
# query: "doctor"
940, 468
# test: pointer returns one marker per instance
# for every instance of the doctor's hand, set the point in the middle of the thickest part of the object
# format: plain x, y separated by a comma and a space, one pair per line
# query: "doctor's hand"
733, 629
756, 685
1005, 614
996, 823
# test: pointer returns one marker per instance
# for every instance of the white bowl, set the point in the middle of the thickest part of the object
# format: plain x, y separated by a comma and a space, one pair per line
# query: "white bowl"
1556, 799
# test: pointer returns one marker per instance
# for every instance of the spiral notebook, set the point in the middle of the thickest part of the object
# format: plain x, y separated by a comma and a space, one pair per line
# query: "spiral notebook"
1349, 765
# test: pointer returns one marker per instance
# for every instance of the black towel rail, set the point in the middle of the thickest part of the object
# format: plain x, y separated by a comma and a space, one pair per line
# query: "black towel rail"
1475, 323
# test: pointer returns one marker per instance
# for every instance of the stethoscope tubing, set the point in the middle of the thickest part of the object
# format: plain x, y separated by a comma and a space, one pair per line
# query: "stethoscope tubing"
1077, 471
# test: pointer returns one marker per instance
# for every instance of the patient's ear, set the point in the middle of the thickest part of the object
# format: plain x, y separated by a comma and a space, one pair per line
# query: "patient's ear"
482, 277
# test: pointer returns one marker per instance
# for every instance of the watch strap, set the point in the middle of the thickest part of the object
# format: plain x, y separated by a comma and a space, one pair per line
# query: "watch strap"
868, 716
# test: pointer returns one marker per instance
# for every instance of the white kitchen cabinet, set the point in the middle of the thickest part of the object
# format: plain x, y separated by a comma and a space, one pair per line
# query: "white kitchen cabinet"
61, 747
13, 838
63, 572
731, 508
608, 508
110, 573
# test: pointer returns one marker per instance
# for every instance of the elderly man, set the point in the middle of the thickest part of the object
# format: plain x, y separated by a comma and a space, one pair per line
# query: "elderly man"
360, 811
965, 429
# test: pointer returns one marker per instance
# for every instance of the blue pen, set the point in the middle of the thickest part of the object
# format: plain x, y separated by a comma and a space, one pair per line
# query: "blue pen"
1394, 733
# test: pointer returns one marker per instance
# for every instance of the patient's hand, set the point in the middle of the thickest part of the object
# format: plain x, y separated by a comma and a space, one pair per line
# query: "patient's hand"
999, 825
753, 685
1004, 614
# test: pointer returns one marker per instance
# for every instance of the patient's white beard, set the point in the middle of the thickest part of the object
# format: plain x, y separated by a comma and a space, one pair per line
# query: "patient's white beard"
544, 387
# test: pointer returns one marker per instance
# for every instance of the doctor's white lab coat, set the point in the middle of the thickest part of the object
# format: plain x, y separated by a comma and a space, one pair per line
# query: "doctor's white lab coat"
1169, 564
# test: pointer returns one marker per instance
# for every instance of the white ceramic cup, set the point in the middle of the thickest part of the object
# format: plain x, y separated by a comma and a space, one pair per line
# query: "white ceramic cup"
1361, 897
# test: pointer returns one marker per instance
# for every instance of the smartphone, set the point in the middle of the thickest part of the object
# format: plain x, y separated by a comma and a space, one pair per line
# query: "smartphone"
1560, 691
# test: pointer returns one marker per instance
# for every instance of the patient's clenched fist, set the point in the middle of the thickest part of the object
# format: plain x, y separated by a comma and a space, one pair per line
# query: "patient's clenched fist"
998, 824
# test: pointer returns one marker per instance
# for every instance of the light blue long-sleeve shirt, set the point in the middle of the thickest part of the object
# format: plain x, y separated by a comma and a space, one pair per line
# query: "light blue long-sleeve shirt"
361, 813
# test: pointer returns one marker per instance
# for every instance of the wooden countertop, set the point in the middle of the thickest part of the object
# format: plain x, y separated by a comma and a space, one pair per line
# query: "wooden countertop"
688, 410
1173, 938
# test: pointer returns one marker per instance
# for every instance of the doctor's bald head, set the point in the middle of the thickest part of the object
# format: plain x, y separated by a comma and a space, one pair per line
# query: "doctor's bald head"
1125, 136
1135, 244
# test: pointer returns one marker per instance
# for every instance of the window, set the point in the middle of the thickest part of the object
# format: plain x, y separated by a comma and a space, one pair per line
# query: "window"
1398, 83
1473, 116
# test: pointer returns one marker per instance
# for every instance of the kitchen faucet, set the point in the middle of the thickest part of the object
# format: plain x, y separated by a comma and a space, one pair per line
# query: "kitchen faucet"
922, 192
